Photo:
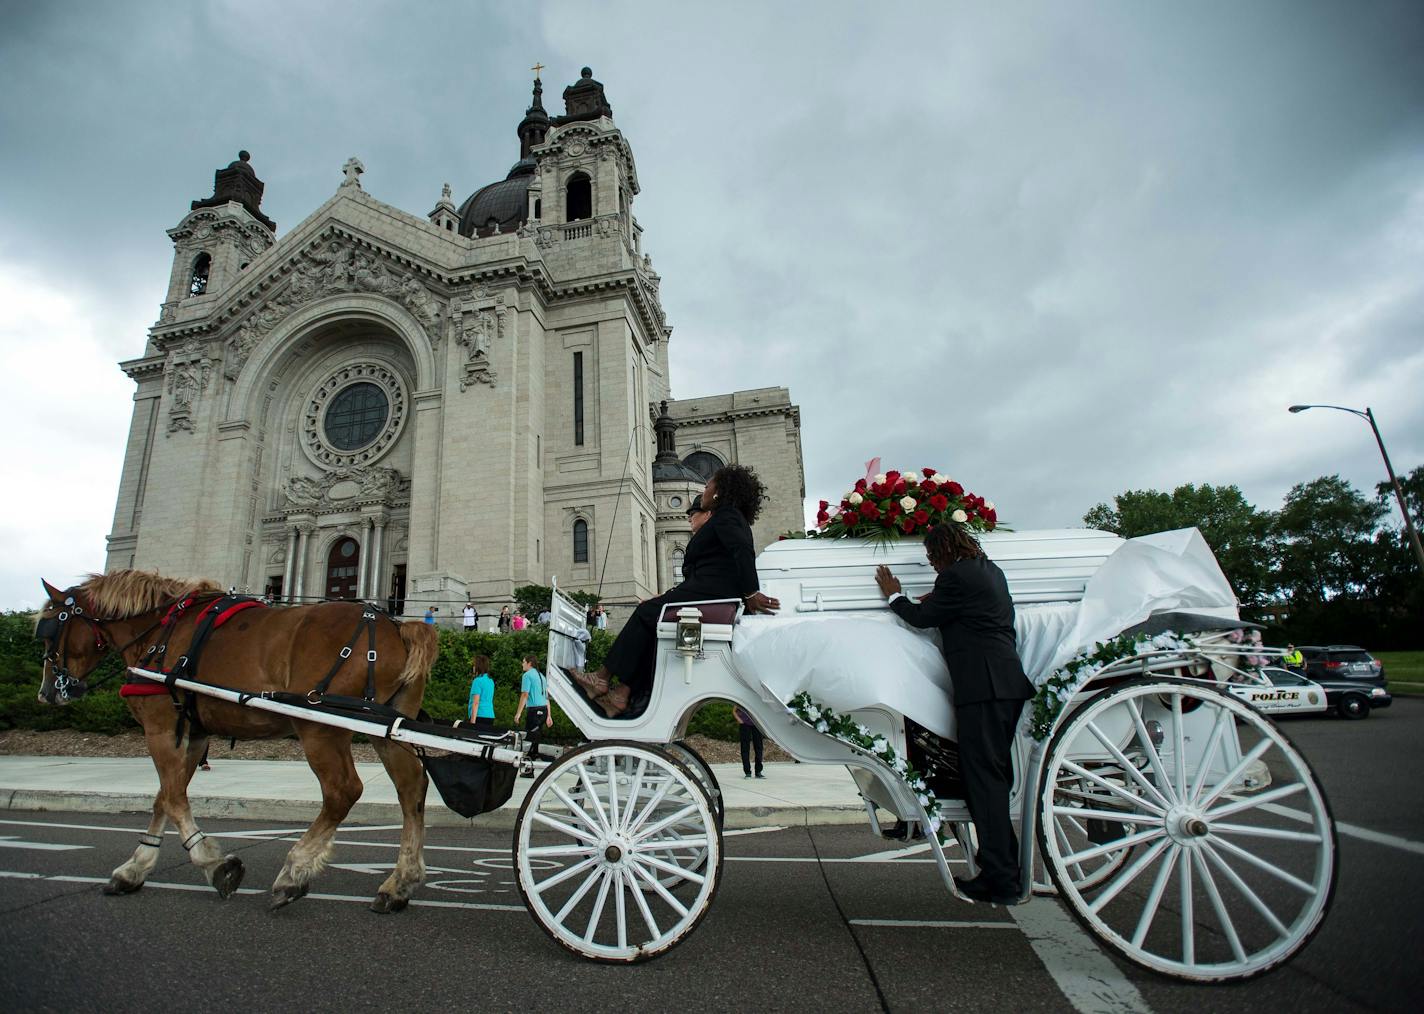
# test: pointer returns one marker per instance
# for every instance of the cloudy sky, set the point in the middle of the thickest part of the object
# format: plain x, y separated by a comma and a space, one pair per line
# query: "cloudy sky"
1056, 250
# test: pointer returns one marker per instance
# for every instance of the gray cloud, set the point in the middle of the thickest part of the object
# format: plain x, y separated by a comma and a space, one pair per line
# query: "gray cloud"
1057, 250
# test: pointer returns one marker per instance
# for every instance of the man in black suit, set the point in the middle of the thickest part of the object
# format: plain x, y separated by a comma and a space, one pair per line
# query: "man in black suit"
971, 606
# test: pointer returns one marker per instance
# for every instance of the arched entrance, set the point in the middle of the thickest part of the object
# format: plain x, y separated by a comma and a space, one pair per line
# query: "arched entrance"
343, 567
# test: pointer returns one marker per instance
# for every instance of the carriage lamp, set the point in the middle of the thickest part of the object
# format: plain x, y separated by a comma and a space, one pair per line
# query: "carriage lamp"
1155, 732
688, 641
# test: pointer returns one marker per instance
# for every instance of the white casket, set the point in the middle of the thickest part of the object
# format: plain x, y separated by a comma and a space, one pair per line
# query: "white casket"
835, 638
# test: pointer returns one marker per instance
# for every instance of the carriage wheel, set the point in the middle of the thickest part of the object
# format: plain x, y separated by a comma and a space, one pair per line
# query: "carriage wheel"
1088, 873
704, 774
600, 832
1229, 874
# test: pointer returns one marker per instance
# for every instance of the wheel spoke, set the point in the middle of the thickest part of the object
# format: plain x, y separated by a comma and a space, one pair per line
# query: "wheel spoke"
1154, 759
671, 869
613, 820
546, 851
1262, 865
1113, 846
575, 808
662, 891
559, 825
565, 874
650, 806
593, 796
673, 844
1189, 931
1235, 773
666, 822
1154, 897
1209, 757
1235, 880
1247, 802
598, 904
633, 790
1280, 834
642, 904
1179, 745
1066, 845
1127, 876
620, 910
577, 896
1116, 790
1113, 815
1227, 926
1127, 765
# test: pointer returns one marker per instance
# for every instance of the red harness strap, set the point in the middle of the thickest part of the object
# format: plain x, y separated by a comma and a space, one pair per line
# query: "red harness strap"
143, 688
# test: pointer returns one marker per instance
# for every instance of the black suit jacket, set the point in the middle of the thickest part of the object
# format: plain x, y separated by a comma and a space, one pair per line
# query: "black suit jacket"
720, 560
972, 608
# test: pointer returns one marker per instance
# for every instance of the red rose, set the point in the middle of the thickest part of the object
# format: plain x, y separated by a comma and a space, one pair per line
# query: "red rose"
921, 516
825, 504
822, 518
991, 516
907, 526
891, 476
868, 509
953, 488
894, 510
939, 502
860, 485
927, 472
899, 486
887, 522
928, 486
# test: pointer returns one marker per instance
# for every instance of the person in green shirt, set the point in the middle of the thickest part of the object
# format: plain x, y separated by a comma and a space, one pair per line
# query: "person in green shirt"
479, 709
1294, 660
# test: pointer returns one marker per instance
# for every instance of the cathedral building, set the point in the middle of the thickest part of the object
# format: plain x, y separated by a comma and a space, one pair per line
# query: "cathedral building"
419, 410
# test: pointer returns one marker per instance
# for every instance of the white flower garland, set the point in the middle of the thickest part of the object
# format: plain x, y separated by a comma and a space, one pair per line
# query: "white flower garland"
851, 732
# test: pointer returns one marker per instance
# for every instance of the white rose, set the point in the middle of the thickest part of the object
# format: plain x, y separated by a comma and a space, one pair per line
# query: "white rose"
855, 499
959, 516
907, 503
988, 505
939, 478
879, 478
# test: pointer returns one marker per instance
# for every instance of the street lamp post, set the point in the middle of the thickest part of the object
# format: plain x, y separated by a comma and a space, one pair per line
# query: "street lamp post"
1369, 417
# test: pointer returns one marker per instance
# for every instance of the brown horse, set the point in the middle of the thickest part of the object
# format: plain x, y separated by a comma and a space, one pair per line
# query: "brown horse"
278, 649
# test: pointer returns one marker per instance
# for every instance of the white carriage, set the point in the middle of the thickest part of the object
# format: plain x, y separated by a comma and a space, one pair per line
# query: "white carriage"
1176, 822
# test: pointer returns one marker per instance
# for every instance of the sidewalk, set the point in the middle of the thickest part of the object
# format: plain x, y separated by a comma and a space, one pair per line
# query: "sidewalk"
287, 791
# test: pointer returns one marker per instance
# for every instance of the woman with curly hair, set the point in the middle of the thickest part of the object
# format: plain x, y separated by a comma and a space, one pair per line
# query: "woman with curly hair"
719, 563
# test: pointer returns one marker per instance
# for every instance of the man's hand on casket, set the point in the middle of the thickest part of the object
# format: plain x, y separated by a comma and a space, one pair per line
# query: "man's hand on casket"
759, 603
888, 582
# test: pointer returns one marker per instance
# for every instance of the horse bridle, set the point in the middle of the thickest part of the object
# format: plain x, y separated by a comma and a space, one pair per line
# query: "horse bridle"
51, 629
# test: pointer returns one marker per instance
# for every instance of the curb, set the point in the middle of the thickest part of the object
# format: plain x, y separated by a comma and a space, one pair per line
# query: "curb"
299, 811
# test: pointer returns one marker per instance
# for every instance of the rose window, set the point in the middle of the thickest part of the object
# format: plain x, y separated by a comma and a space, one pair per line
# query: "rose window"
354, 416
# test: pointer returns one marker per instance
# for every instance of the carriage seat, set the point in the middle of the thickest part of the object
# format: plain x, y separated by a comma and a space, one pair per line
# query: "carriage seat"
719, 618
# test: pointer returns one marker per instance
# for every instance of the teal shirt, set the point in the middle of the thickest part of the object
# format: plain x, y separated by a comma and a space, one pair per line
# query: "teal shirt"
482, 685
533, 685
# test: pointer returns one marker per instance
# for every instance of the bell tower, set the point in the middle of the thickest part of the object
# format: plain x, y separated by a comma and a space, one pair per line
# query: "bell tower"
586, 167
220, 234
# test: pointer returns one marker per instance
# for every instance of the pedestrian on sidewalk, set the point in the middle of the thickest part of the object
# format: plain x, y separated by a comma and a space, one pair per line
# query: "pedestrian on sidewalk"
751, 738
534, 706
479, 709
504, 620
518, 622
430, 615
470, 617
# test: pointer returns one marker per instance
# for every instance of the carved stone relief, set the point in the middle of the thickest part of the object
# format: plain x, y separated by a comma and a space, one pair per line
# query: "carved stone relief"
478, 328
342, 486
187, 370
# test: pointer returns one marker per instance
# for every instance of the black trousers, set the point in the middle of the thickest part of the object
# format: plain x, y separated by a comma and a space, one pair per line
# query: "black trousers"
632, 655
986, 735
751, 737
534, 728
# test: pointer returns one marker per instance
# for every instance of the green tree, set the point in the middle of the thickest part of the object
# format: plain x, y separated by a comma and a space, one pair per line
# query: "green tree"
1327, 545
1412, 486
1238, 533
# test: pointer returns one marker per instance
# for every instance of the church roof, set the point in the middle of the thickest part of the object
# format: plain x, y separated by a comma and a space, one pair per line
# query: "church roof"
505, 201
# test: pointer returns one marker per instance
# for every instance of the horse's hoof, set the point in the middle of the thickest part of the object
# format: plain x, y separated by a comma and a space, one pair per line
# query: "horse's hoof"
116, 886
228, 877
386, 905
284, 897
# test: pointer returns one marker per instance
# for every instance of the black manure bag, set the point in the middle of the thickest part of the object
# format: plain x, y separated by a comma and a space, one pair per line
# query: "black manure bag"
470, 785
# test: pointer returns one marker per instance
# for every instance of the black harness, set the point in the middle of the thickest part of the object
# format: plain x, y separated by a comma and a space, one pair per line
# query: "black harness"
50, 632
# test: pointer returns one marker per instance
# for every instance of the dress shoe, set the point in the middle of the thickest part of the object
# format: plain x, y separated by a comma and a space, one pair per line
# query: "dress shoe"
595, 684
980, 890
900, 831
615, 701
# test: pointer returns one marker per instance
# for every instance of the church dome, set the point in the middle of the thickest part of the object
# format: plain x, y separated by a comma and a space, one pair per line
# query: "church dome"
503, 201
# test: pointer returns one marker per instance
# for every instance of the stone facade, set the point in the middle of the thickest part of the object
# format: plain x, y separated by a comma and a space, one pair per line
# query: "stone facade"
416, 410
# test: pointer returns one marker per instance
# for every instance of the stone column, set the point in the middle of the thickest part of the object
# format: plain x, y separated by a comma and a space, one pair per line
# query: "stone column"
378, 539
364, 568
289, 572
303, 538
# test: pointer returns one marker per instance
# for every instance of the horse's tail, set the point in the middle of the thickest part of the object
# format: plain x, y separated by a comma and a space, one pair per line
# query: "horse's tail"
421, 646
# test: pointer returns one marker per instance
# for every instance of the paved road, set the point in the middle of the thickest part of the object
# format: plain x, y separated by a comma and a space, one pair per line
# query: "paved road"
823, 919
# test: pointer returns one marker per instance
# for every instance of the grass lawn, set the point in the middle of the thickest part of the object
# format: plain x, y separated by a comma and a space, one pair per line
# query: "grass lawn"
1403, 669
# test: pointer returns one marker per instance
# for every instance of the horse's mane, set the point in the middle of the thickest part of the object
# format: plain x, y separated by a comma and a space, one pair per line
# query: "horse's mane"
123, 593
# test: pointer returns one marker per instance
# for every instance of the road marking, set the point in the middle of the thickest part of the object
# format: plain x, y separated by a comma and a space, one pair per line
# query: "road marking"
894, 853
1349, 830
753, 830
934, 924
361, 899
11, 842
830, 861
1083, 974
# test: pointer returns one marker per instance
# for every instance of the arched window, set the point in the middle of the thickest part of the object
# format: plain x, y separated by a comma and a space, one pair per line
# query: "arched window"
578, 198
198, 284
580, 541
704, 463
343, 564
